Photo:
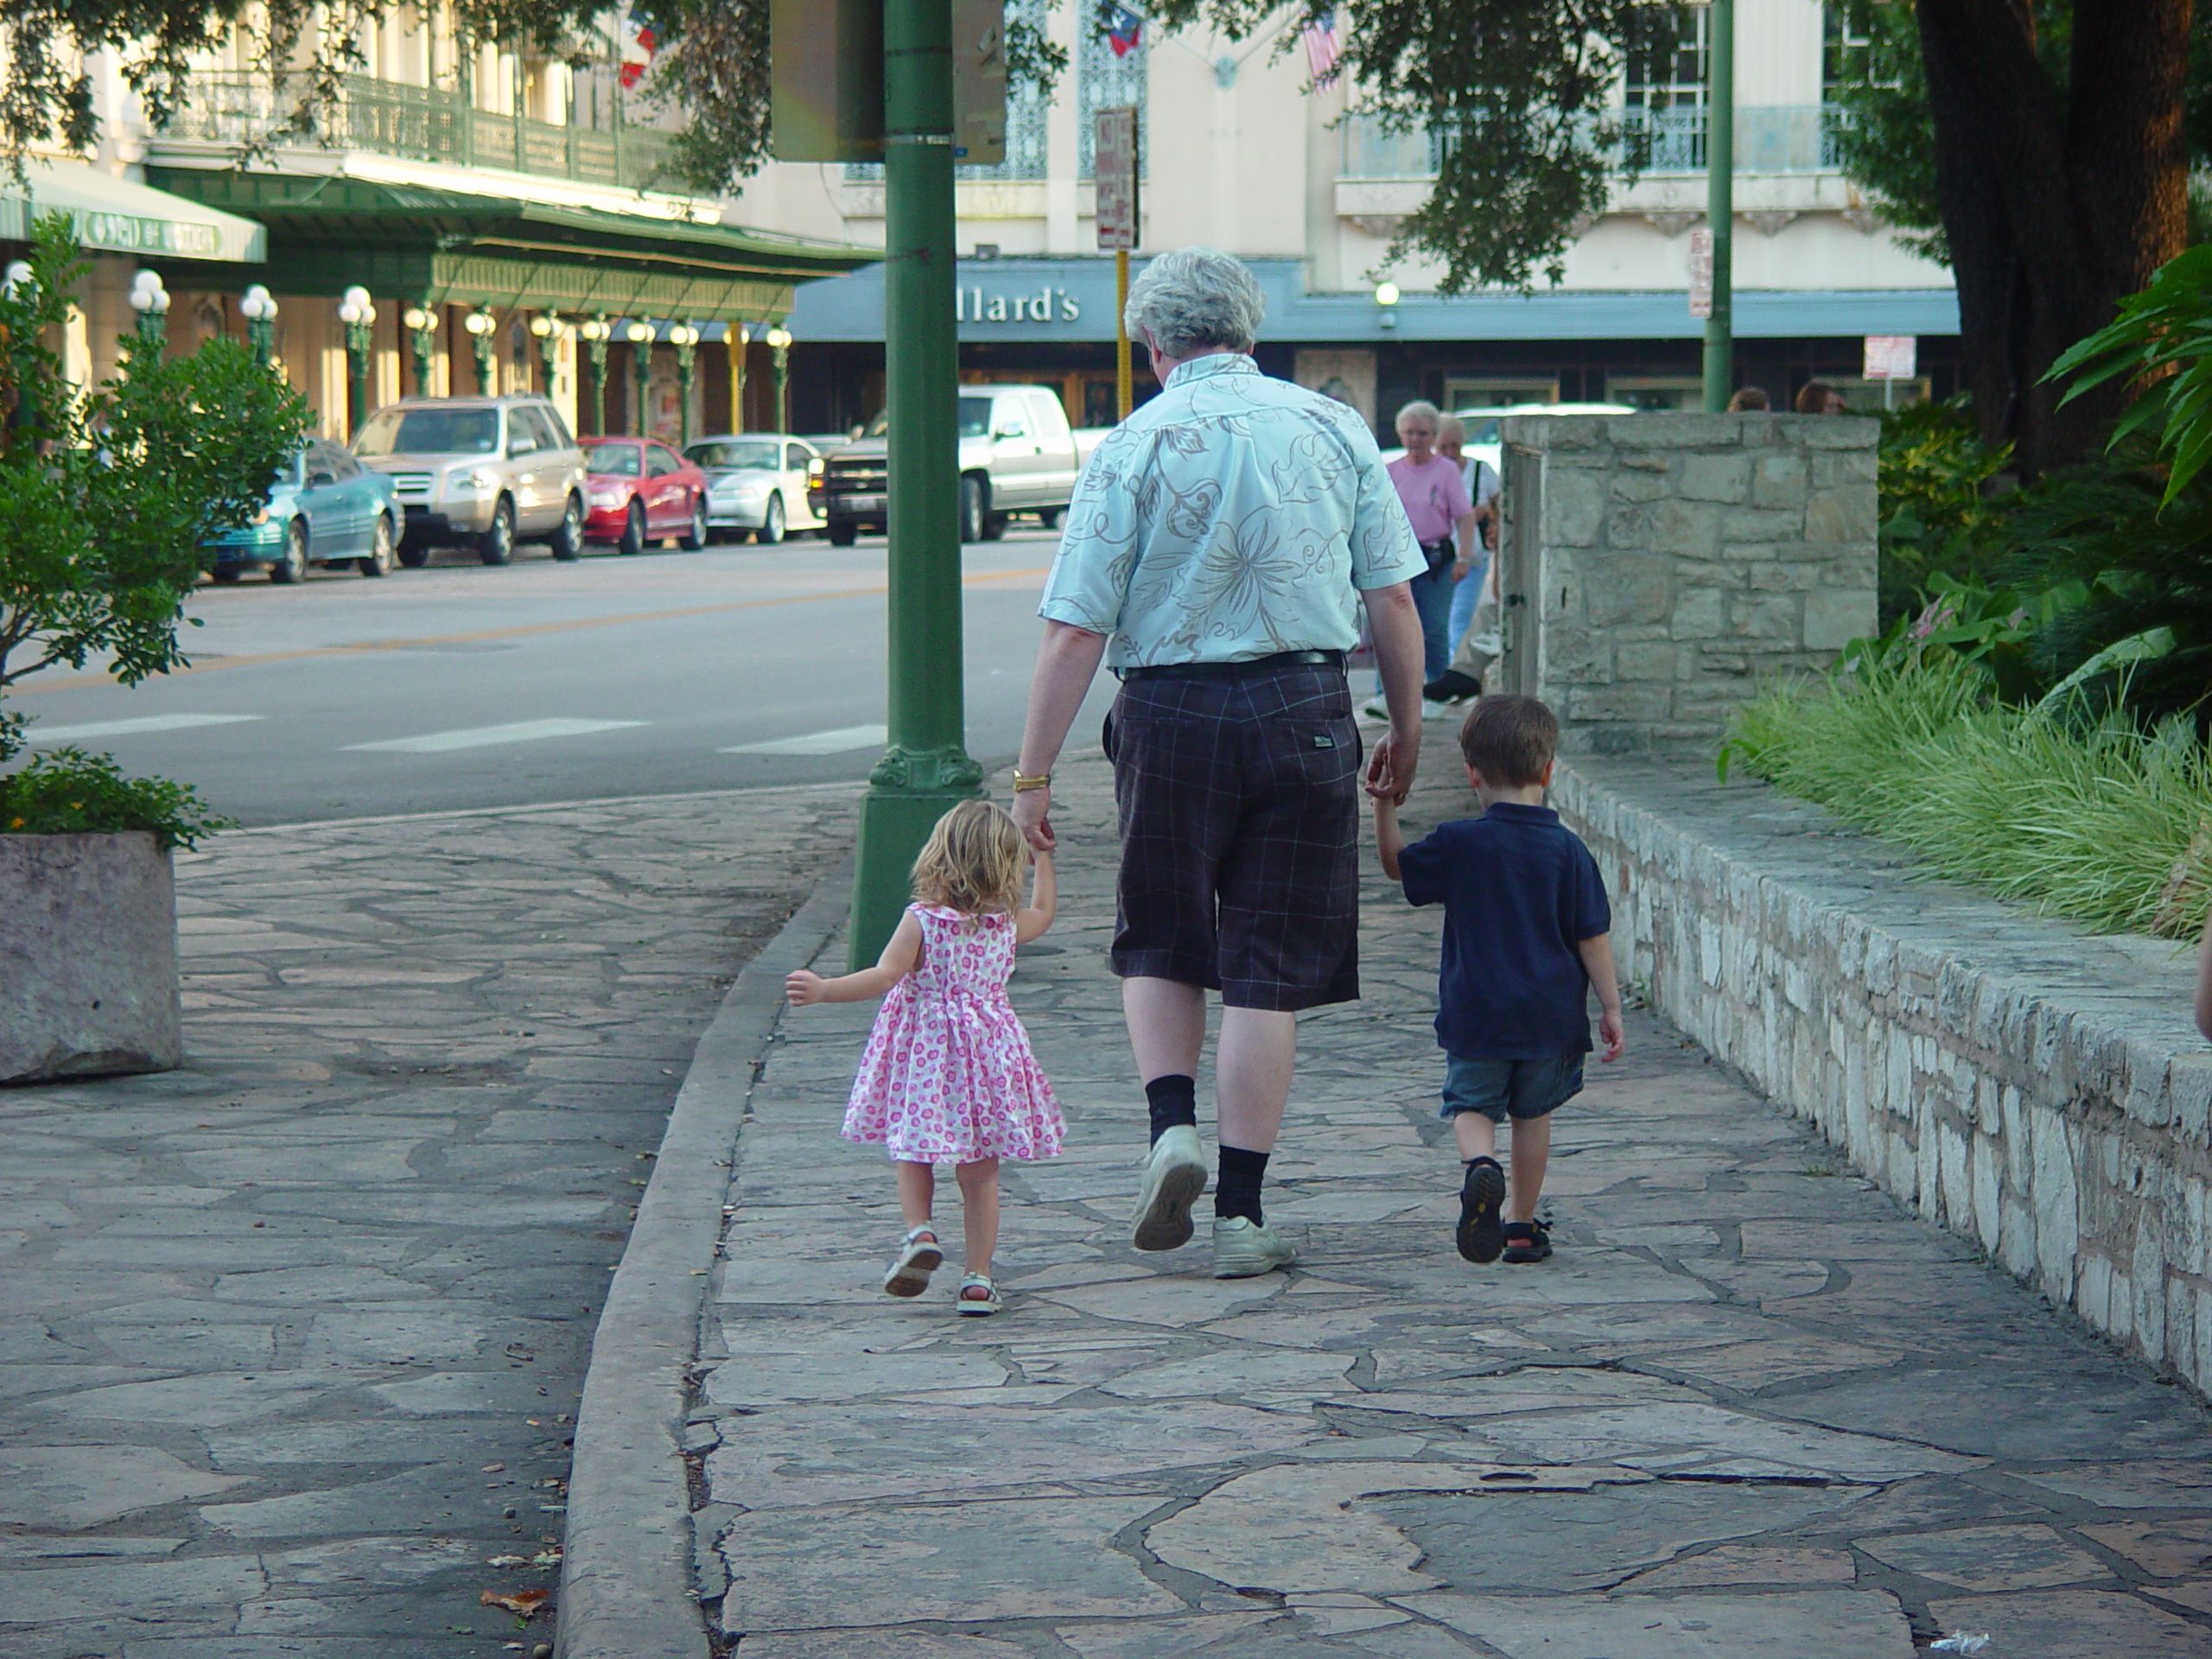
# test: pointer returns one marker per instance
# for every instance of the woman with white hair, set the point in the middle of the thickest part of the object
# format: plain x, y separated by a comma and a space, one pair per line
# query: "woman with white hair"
1434, 495
1215, 555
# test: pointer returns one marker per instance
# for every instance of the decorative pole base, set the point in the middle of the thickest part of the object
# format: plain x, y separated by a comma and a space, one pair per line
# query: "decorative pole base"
909, 791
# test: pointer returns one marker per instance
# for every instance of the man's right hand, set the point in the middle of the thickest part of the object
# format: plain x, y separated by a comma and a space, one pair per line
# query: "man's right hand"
1032, 816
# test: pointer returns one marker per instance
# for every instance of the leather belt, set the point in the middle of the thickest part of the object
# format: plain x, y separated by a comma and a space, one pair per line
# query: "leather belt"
1234, 671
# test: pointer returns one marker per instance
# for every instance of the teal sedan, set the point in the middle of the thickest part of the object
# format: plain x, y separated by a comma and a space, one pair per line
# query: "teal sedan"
325, 508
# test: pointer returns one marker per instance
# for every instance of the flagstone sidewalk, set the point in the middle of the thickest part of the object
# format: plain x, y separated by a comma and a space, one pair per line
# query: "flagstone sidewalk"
1749, 1407
291, 1338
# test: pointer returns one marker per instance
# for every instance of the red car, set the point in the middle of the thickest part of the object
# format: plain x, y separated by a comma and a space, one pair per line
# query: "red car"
638, 491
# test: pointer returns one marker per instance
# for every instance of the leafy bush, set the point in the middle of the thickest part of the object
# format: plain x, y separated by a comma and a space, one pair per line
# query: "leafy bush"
2094, 819
67, 792
1937, 518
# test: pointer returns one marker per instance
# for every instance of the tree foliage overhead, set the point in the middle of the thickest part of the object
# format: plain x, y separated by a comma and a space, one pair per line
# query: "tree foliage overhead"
1522, 93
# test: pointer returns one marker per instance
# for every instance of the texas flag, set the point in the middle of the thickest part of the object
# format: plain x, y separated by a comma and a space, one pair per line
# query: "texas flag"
638, 41
1126, 33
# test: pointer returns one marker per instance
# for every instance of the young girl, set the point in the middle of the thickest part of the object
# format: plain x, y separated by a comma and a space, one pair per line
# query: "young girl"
948, 1077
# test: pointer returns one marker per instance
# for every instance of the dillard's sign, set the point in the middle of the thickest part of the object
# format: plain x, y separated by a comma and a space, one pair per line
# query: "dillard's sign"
1044, 305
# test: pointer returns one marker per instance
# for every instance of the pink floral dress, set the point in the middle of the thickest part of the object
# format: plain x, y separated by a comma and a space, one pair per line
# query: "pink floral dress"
948, 1077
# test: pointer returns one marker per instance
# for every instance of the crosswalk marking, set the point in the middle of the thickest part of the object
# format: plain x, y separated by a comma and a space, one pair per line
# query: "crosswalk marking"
484, 737
130, 727
837, 742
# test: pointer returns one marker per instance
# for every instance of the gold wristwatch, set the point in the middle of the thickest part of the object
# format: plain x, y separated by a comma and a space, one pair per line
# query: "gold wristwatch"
1023, 780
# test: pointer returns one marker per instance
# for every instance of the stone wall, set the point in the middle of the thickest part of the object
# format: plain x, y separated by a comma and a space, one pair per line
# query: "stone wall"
1654, 566
2041, 1093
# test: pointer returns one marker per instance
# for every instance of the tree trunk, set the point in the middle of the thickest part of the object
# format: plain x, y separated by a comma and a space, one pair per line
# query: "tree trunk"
2057, 202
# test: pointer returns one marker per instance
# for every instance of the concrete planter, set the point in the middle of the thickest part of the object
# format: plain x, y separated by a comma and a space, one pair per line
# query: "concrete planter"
88, 976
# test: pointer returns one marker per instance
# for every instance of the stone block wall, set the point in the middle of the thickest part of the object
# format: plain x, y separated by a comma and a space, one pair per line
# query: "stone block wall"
1654, 566
2040, 1093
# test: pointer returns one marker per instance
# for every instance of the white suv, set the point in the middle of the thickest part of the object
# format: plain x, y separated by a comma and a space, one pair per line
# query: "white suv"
480, 472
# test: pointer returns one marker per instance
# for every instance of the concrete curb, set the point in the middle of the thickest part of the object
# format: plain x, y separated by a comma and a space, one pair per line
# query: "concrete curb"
626, 1590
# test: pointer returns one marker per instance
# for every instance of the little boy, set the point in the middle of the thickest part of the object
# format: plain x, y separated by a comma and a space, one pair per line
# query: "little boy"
1526, 928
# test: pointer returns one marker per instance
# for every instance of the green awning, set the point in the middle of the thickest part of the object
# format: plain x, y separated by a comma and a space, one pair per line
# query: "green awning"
114, 215
442, 247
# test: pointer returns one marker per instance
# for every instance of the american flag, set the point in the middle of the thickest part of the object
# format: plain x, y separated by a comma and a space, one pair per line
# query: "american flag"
1322, 47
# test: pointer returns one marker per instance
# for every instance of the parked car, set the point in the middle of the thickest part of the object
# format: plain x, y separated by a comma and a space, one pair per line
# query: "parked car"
1016, 455
480, 472
325, 508
756, 483
640, 490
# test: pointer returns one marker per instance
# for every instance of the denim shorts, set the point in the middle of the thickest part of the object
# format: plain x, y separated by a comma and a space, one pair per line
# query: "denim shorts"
1503, 1089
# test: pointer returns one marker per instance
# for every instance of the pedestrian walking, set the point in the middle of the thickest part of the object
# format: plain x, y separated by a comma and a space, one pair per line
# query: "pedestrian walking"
1527, 938
1483, 488
1436, 498
948, 1077
1215, 556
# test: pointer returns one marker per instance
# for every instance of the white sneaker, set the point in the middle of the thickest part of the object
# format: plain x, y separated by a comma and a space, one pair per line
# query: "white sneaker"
1375, 708
1174, 1175
1434, 710
1243, 1248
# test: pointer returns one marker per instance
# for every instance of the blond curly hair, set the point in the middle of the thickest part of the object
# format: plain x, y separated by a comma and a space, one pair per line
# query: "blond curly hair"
973, 861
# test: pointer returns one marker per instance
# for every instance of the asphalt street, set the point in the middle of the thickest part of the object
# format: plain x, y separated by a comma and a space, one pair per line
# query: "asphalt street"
461, 685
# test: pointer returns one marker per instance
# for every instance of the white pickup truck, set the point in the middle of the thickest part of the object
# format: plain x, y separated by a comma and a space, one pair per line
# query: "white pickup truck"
1016, 455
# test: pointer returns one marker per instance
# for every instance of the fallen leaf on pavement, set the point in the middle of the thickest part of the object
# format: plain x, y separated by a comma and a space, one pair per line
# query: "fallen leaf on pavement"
522, 1603
508, 1561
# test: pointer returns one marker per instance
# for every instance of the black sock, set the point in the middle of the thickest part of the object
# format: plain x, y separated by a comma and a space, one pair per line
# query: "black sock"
1173, 1101
1236, 1190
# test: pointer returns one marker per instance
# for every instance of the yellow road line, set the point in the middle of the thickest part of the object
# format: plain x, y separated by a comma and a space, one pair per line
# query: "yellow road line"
525, 631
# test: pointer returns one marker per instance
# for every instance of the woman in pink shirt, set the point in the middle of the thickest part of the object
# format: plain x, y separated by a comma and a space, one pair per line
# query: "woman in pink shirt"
1435, 498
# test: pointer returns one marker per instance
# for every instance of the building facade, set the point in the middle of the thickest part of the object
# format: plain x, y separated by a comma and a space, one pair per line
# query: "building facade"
1268, 166
511, 220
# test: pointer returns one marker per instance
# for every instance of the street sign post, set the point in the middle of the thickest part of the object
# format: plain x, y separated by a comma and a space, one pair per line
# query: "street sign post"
1719, 205
927, 771
979, 82
1700, 273
1890, 358
1114, 167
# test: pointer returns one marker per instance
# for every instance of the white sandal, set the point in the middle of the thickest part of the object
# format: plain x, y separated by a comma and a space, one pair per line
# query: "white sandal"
977, 1306
919, 1255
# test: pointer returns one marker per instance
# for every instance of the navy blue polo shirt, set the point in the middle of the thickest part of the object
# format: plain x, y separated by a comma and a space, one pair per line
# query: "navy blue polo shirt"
1520, 893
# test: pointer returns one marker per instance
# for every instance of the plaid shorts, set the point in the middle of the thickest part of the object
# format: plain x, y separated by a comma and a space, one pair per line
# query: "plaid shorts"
1239, 805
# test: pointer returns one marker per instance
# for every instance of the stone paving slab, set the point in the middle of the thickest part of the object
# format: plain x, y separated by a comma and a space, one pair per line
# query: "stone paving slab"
292, 1337
1749, 1407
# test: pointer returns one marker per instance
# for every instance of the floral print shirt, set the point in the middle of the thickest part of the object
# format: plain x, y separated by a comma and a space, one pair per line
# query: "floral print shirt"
1232, 517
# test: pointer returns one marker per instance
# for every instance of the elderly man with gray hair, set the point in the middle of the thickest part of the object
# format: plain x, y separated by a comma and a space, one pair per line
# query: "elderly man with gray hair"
1217, 553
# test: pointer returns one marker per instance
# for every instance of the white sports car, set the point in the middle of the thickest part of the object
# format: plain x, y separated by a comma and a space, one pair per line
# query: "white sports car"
756, 483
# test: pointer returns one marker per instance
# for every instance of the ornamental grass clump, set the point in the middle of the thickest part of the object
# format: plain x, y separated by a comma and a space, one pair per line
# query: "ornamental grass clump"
2084, 815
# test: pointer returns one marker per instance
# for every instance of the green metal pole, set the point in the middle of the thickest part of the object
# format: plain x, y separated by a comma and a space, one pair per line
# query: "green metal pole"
1720, 205
927, 770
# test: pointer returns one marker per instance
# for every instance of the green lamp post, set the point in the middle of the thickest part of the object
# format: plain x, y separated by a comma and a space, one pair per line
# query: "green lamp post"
780, 342
151, 302
1720, 203
481, 324
421, 325
595, 331
927, 770
258, 306
549, 331
685, 338
640, 336
358, 314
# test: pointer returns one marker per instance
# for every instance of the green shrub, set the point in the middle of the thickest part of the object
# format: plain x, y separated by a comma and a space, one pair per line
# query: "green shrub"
1938, 518
67, 792
2093, 819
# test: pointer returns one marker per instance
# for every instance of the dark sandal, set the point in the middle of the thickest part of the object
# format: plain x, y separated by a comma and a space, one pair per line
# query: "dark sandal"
1526, 1241
1481, 1195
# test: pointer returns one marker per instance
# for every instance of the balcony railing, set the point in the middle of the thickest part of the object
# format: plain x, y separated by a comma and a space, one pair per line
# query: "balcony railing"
425, 123
1778, 138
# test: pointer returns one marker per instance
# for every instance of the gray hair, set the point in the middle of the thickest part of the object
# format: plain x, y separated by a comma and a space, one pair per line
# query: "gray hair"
1195, 300
1449, 427
1420, 408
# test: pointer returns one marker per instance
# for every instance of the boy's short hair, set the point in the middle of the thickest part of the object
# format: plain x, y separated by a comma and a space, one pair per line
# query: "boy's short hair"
1509, 741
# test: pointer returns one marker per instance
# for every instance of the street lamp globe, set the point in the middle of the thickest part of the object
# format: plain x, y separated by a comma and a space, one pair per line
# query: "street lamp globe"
480, 322
543, 326
779, 338
1386, 293
357, 297
17, 275
417, 319
637, 333
147, 294
258, 304
594, 330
